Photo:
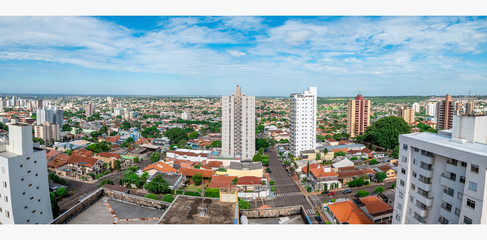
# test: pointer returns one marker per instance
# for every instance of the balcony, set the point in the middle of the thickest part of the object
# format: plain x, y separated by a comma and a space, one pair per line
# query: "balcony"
424, 171
424, 185
425, 199
446, 207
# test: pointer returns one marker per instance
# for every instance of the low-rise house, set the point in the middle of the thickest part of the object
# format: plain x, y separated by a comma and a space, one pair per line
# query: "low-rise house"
388, 196
252, 187
377, 210
190, 172
246, 169
79, 166
347, 176
321, 178
55, 164
347, 212
220, 181
109, 158
390, 172
173, 179
163, 142
159, 167
343, 163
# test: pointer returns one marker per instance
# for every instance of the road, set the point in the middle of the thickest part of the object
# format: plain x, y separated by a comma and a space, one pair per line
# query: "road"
82, 189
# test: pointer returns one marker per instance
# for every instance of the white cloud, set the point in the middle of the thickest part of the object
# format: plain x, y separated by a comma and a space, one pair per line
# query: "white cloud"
236, 53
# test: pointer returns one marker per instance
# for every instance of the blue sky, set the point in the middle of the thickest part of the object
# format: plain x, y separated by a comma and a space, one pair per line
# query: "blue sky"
267, 56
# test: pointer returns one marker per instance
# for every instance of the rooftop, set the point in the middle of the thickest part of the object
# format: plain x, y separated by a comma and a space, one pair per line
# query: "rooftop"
444, 141
245, 165
197, 210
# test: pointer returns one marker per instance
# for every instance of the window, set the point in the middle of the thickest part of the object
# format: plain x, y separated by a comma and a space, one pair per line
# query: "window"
399, 206
405, 147
401, 182
457, 211
467, 220
472, 186
37, 174
404, 159
29, 171
452, 162
397, 217
449, 191
471, 203
414, 174
411, 198
474, 168
403, 171
460, 196
463, 164
23, 193
28, 158
401, 195
462, 179
30, 185
6, 198
4, 184
35, 161
21, 165
413, 186
7, 214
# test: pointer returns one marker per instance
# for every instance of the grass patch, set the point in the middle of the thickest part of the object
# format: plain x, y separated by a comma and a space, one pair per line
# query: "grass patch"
193, 188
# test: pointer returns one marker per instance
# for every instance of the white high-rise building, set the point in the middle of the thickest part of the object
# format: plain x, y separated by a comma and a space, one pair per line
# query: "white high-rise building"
184, 116
415, 107
24, 189
1, 106
431, 109
442, 177
44, 115
48, 132
303, 121
238, 125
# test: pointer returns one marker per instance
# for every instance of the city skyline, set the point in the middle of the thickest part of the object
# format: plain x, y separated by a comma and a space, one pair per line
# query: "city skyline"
269, 56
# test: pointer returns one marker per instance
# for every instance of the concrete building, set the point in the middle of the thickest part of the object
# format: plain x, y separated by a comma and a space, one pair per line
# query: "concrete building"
442, 177
303, 121
39, 103
407, 114
47, 132
24, 189
238, 125
1, 106
89, 109
415, 107
445, 111
52, 115
184, 116
431, 109
358, 118
469, 108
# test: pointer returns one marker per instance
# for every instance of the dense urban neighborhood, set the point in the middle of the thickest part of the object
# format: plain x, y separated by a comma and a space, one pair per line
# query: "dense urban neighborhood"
241, 159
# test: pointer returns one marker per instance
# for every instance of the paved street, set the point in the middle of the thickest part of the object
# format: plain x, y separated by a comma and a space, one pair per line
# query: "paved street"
83, 189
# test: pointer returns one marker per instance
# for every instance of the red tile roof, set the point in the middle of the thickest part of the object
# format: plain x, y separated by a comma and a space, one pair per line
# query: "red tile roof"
264, 207
350, 174
221, 181
318, 172
59, 161
51, 153
342, 169
348, 212
249, 180
374, 205
160, 166
82, 160
189, 172
109, 155
214, 164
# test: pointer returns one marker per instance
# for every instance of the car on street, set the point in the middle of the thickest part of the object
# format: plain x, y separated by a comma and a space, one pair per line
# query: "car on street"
318, 218
325, 192
347, 191
331, 193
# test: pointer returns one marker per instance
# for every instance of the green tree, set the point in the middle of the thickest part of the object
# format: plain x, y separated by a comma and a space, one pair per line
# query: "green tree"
242, 204
257, 158
39, 140
307, 170
339, 154
151, 196
378, 189
395, 152
380, 176
136, 160
216, 144
167, 198
125, 125
157, 185
373, 161
176, 134
394, 185
362, 193
193, 135
338, 137
212, 193
385, 132
54, 205
61, 191
155, 157
66, 128
197, 179
117, 165
318, 156
105, 181
261, 142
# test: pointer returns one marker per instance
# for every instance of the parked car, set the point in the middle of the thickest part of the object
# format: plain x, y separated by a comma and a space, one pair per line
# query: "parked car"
347, 191
331, 193
318, 218
325, 192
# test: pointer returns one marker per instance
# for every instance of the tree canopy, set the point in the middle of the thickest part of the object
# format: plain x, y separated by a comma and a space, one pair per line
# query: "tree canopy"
157, 185
176, 134
385, 132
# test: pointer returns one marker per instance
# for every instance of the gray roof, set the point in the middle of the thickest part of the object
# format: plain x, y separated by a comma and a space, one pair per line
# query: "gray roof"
171, 178
246, 165
344, 146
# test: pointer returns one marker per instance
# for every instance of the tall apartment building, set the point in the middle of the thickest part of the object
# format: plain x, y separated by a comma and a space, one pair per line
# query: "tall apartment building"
303, 120
89, 109
47, 132
52, 115
415, 107
238, 125
442, 177
24, 189
39, 103
1, 106
431, 109
445, 111
407, 114
469, 108
358, 118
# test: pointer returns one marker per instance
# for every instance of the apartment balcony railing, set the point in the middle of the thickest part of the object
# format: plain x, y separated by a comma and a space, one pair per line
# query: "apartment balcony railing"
447, 207
449, 177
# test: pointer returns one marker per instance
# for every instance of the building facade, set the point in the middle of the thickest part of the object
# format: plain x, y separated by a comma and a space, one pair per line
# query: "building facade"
407, 114
442, 177
303, 121
47, 132
24, 189
431, 109
358, 118
89, 109
238, 125
52, 115
444, 111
